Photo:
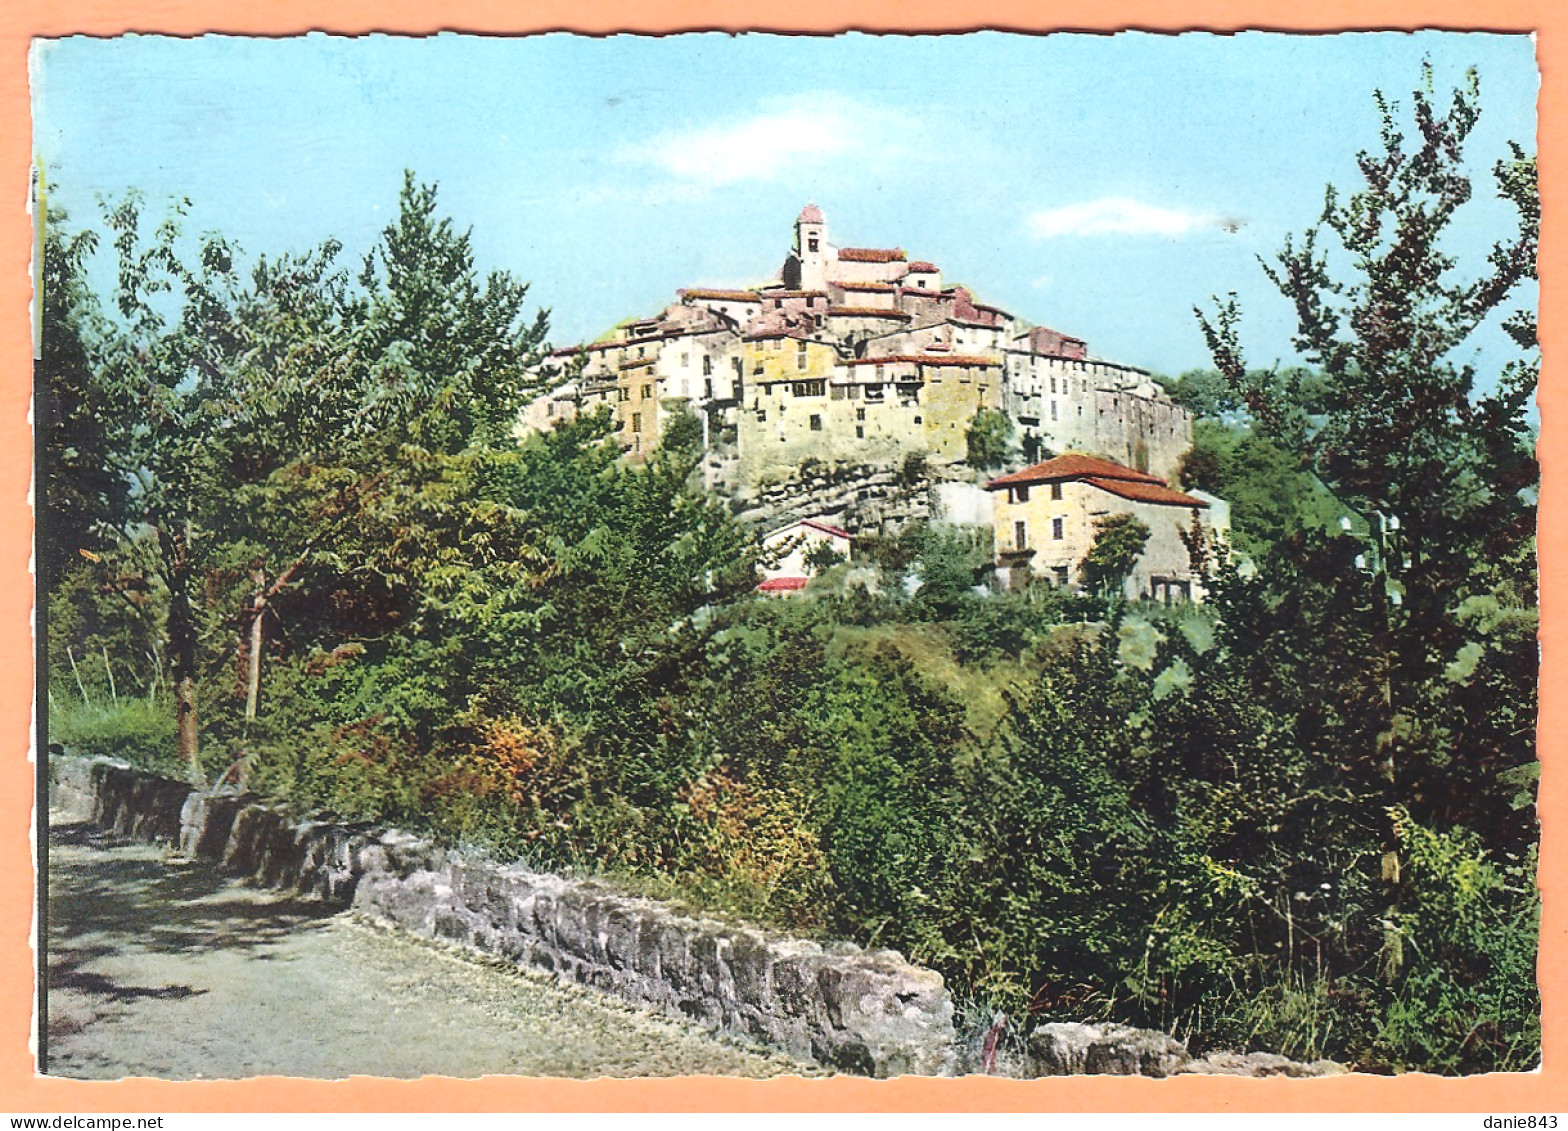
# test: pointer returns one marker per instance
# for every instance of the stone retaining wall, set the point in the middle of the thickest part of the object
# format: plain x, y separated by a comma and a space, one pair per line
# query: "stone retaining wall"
870, 1013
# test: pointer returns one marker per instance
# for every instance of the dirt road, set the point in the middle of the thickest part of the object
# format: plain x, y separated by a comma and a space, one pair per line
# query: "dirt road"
164, 967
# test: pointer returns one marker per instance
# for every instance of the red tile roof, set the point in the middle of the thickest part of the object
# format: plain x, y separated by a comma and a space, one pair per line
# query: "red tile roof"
794, 294
811, 214
782, 585
768, 334
1141, 492
866, 312
725, 296
870, 254
930, 359
822, 526
1074, 466
885, 288
920, 266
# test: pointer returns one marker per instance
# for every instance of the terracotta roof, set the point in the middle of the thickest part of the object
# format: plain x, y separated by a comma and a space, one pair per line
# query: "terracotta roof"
1074, 466
822, 526
866, 312
782, 585
794, 294
811, 214
920, 266
767, 334
1141, 492
884, 288
928, 359
726, 296
870, 254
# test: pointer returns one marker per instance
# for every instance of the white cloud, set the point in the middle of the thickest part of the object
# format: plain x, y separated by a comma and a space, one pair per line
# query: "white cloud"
778, 141
1122, 216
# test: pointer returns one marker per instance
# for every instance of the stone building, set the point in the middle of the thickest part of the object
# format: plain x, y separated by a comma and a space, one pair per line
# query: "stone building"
1044, 522
855, 356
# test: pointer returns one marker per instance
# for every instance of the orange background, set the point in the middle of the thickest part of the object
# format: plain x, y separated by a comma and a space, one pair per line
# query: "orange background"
22, 1092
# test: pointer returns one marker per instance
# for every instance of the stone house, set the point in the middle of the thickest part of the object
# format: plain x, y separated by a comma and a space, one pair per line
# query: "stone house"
1044, 523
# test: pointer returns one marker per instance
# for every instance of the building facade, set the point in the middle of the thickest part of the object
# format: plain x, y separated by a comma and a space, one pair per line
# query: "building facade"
856, 356
1045, 519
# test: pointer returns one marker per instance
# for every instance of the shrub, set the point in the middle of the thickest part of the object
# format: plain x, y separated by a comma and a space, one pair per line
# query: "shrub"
137, 731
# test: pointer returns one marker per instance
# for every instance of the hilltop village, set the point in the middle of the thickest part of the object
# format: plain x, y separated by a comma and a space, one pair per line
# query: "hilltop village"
819, 391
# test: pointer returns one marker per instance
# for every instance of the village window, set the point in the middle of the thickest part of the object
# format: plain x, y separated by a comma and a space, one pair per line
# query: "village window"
1056, 529
549, 408
707, 366
816, 422
860, 413
647, 391
1019, 494
1020, 535
1056, 491
809, 388
636, 422
811, 243
800, 356
917, 420
1053, 385
873, 394
1053, 410
762, 415
623, 394
921, 283
642, 351
707, 388
685, 360
1061, 575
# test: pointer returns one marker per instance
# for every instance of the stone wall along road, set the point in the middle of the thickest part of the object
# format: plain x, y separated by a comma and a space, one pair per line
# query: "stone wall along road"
163, 966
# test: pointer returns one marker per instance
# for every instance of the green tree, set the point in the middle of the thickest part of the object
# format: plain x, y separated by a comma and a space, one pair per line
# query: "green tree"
990, 439
1119, 540
264, 415
1403, 432
682, 430
1271, 495
1399, 642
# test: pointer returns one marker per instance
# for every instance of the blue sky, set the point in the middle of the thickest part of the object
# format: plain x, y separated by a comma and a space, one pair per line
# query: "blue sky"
1099, 184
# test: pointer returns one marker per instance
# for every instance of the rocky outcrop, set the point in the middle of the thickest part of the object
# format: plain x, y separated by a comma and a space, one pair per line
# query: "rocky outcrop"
1073, 1048
1260, 1064
870, 1013
861, 498
1070, 1048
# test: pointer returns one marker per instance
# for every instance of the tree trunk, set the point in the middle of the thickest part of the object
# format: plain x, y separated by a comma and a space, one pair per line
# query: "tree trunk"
182, 645
258, 610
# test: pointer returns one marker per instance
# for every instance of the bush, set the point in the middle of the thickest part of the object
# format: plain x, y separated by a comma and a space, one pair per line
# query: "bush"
137, 731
